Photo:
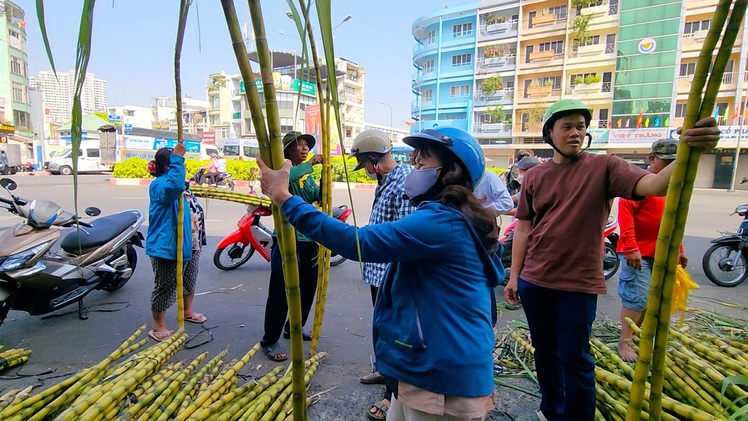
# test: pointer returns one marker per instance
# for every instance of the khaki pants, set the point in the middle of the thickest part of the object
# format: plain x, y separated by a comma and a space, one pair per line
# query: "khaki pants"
399, 412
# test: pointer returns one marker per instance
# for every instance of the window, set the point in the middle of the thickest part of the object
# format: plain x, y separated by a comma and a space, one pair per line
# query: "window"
699, 25
285, 101
251, 151
680, 110
459, 91
559, 11
462, 60
92, 153
687, 69
430, 37
19, 92
462, 30
17, 66
286, 124
128, 113
427, 95
602, 118
21, 118
428, 67
556, 46
593, 40
573, 78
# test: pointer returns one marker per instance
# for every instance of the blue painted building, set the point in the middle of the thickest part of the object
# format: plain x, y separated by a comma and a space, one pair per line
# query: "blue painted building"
444, 61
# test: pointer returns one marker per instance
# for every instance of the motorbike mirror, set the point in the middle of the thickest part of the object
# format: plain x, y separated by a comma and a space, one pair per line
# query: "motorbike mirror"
9, 184
93, 211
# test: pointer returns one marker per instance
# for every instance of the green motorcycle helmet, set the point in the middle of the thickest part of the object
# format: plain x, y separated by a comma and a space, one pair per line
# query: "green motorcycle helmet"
563, 108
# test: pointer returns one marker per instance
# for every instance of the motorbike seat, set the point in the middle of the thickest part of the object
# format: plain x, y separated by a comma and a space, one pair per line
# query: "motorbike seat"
101, 231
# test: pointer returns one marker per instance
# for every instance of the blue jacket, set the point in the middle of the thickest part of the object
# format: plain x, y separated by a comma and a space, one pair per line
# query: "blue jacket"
432, 321
164, 193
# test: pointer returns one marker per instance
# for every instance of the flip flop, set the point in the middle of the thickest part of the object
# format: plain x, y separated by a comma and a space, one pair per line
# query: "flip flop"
271, 351
373, 378
196, 318
381, 407
160, 335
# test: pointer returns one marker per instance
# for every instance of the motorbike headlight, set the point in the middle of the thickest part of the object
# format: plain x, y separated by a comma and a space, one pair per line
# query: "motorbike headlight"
19, 260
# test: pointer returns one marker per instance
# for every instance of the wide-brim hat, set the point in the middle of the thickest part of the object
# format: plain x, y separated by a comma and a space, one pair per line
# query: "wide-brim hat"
293, 136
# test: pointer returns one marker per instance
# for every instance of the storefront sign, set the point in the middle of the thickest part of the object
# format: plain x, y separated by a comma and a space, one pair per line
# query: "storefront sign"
641, 135
7, 128
599, 135
284, 83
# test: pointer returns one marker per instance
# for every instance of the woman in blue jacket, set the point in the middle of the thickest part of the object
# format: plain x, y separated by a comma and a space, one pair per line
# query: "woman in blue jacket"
432, 321
161, 240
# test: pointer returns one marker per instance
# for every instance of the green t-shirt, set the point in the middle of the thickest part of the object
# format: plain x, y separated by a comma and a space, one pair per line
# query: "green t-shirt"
302, 184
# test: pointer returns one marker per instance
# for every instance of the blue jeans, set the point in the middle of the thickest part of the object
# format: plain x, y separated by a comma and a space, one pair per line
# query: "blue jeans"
560, 326
633, 285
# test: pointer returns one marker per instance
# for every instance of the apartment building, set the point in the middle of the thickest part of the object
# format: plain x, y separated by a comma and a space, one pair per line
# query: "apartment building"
59, 91
15, 104
631, 62
229, 116
163, 113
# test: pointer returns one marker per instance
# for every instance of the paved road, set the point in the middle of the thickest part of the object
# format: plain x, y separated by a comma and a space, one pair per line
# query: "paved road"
234, 301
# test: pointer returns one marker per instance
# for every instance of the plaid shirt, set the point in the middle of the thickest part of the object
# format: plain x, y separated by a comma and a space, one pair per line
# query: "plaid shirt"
389, 206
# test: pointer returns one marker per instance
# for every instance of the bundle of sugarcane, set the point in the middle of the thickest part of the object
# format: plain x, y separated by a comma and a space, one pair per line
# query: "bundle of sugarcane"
145, 386
702, 375
221, 194
13, 357
701, 102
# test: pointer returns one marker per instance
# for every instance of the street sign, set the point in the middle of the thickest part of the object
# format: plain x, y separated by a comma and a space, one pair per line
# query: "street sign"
114, 118
128, 127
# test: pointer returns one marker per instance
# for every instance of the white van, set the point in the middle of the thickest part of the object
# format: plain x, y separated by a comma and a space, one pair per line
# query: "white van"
241, 149
89, 160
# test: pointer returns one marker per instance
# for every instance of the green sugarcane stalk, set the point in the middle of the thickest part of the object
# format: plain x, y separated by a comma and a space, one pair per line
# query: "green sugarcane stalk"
667, 236
175, 378
157, 379
692, 389
232, 408
277, 406
733, 352
204, 413
724, 403
286, 232
184, 7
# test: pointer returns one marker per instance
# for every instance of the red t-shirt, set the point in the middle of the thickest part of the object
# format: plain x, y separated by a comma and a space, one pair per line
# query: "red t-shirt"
568, 205
640, 225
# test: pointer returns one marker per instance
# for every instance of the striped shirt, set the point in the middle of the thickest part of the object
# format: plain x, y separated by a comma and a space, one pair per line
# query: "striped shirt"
389, 206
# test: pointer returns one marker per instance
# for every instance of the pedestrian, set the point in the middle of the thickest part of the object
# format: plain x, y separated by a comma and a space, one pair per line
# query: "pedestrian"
296, 147
372, 149
432, 322
567, 201
492, 192
511, 176
165, 191
639, 221
522, 167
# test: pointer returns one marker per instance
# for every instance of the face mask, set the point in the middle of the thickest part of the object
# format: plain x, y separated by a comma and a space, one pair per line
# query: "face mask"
419, 182
520, 177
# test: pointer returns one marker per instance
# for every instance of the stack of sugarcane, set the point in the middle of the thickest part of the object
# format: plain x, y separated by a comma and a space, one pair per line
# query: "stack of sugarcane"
13, 357
145, 386
702, 374
221, 194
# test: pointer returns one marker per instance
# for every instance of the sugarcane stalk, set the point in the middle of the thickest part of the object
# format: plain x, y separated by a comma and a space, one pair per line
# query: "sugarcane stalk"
275, 408
669, 239
231, 409
222, 401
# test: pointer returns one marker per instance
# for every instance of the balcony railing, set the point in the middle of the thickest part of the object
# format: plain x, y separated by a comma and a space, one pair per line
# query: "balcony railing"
498, 28
497, 62
727, 78
497, 128
612, 9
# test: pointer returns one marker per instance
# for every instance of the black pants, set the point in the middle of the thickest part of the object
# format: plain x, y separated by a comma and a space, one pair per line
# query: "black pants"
276, 308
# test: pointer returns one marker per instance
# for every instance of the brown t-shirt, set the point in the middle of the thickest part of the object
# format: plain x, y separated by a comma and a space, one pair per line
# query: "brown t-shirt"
569, 205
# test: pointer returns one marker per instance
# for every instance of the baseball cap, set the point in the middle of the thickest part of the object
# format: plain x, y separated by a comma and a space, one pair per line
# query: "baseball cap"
665, 148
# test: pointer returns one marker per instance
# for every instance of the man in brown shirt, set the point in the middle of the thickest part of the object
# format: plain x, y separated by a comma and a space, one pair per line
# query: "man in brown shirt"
557, 250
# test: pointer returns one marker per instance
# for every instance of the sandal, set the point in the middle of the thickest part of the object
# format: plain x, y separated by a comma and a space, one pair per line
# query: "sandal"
380, 407
160, 335
272, 352
373, 378
305, 336
196, 318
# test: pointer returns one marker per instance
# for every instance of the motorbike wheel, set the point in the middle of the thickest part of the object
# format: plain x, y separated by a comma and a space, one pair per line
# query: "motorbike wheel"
231, 184
725, 265
119, 282
336, 259
232, 256
610, 261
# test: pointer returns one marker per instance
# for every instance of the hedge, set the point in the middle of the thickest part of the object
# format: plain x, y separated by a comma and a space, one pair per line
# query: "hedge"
138, 168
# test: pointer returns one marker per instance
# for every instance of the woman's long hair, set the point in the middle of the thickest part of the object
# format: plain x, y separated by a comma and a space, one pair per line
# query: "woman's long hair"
162, 161
458, 193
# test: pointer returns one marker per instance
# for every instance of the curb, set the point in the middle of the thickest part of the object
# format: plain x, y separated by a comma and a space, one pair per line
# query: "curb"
239, 183
31, 173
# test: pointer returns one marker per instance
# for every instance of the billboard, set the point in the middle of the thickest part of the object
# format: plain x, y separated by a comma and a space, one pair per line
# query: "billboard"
313, 125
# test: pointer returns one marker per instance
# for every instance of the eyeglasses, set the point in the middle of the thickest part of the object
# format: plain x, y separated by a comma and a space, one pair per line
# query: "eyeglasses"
439, 136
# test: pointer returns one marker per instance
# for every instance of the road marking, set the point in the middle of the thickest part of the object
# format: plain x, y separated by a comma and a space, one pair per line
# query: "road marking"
130, 197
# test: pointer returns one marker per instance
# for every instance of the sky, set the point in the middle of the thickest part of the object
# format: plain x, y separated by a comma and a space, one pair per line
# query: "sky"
133, 45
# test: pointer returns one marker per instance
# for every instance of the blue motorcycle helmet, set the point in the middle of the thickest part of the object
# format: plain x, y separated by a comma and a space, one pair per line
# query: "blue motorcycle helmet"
464, 147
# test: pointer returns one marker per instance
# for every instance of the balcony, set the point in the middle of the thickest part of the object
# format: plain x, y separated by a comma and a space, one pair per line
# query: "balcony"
528, 128
430, 124
727, 80
503, 129
684, 82
421, 47
692, 42
587, 90
503, 30
501, 64
236, 116
544, 25
497, 97
541, 56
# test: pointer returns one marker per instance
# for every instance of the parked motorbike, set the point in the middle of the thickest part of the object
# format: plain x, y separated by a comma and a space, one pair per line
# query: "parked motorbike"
222, 180
724, 262
611, 264
47, 262
252, 235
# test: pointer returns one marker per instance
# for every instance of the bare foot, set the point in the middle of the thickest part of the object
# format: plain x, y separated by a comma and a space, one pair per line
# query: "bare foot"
379, 411
626, 352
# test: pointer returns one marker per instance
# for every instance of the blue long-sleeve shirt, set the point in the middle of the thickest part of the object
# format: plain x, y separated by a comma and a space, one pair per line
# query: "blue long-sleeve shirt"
432, 321
164, 193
